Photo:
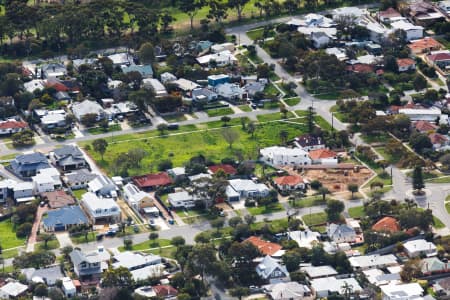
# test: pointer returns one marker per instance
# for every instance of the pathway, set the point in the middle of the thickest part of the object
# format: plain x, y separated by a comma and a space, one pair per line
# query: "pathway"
34, 230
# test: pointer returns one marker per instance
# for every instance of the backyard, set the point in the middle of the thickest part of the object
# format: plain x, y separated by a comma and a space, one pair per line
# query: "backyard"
8, 237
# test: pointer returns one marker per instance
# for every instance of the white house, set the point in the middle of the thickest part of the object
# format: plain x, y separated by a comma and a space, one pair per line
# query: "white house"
23, 191
135, 197
121, 59
413, 32
287, 290
100, 208
314, 272
407, 291
181, 200
68, 287
378, 277
46, 180
420, 247
322, 287
304, 238
133, 261
6, 186
54, 118
282, 156
320, 39
223, 58
244, 188
102, 185
365, 262
229, 91
341, 233
35, 84
422, 114
80, 109
269, 269
12, 290
222, 47
156, 85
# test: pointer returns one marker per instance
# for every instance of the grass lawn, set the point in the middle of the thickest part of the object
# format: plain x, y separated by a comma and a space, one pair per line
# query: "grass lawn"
356, 212
271, 90
261, 210
277, 226
257, 33
181, 147
392, 159
175, 118
438, 223
10, 253
447, 207
273, 117
168, 252
8, 237
100, 130
315, 219
245, 108
260, 172
78, 193
375, 138
322, 123
53, 244
222, 111
292, 101
271, 104
444, 179
309, 202
148, 245
80, 239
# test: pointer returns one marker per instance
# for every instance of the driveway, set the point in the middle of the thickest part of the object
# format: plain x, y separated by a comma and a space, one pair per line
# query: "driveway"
64, 239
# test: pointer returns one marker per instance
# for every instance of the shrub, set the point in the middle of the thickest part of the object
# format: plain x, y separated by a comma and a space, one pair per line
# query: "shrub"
24, 230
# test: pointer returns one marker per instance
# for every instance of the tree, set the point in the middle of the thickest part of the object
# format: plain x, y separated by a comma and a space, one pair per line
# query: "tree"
249, 219
417, 178
100, 146
251, 128
191, 8
202, 259
142, 98
238, 5
419, 83
230, 136
315, 184
40, 290
390, 63
310, 119
411, 269
334, 210
445, 161
324, 192
120, 277
283, 136
153, 236
128, 243
420, 141
225, 120
239, 292
283, 111
23, 138
146, 53
234, 221
47, 238
353, 188
217, 223
217, 10
178, 241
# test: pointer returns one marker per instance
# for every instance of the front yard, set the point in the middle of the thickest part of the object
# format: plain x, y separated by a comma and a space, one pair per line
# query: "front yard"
262, 210
222, 111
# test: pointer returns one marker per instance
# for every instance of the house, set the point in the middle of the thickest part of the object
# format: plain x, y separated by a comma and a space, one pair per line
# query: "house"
406, 64
433, 265
365, 262
204, 96
341, 233
6, 186
378, 278
229, 91
153, 271
69, 157
323, 156
226, 168
425, 45
355, 12
46, 180
201, 47
424, 13
387, 224
49, 275
79, 179
58, 199
289, 183
165, 291
338, 52
156, 85
121, 59
413, 32
406, 291
12, 126
377, 32
23, 191
269, 269
323, 287
103, 186
136, 198
314, 272
238, 189
445, 6
146, 71
360, 68
216, 48
34, 85
320, 39
63, 218
68, 287
167, 77
287, 291
282, 156
425, 126
152, 181
309, 142
420, 247
442, 286
388, 15
423, 114
181, 200
133, 260
185, 85
304, 238
51, 119
439, 58
438, 140
253, 88
86, 266
53, 70
265, 247
220, 59
100, 209
85, 107
27, 165
311, 20
214, 80
12, 290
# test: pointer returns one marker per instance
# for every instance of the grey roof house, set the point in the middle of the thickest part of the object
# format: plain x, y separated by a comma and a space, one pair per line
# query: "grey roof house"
87, 107
27, 165
69, 157
103, 186
63, 218
78, 179
269, 269
341, 233
146, 71
86, 266
49, 275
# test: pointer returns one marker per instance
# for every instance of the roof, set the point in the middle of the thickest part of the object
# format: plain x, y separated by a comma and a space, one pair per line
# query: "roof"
134, 194
368, 261
424, 44
339, 230
423, 126
404, 25
152, 271
268, 265
152, 180
405, 62
58, 199
246, 185
82, 175
266, 248
437, 138
185, 85
95, 203
291, 180
165, 291
277, 150
419, 246
433, 264
228, 169
387, 224
156, 85
360, 68
402, 291
221, 57
322, 153
29, 162
101, 182
50, 274
67, 150
286, 290
14, 289
86, 107
319, 271
13, 124
132, 260
144, 70
304, 238
334, 285
69, 215
389, 13
440, 56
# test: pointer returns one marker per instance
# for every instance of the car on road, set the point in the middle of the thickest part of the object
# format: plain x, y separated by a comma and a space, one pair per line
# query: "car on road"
151, 222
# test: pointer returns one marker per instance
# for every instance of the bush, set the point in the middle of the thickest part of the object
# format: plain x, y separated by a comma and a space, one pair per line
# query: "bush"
24, 230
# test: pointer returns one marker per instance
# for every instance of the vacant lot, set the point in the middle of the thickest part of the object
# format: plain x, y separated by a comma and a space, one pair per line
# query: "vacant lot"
223, 111
8, 237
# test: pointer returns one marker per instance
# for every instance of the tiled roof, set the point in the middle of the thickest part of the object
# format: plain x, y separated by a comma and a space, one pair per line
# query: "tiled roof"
423, 126
389, 13
13, 124
437, 138
291, 180
165, 291
228, 169
360, 68
152, 180
322, 153
386, 224
266, 248
424, 44
58, 198
439, 56
405, 62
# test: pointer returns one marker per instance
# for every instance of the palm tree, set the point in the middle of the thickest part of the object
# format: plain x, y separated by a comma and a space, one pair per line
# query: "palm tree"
251, 128
284, 136
296, 195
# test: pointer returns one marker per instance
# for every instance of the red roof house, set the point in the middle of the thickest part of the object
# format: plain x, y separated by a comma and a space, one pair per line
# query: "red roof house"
425, 45
442, 59
360, 68
151, 181
387, 224
322, 155
228, 169
165, 291
405, 64
425, 126
265, 247
12, 126
290, 182
438, 140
